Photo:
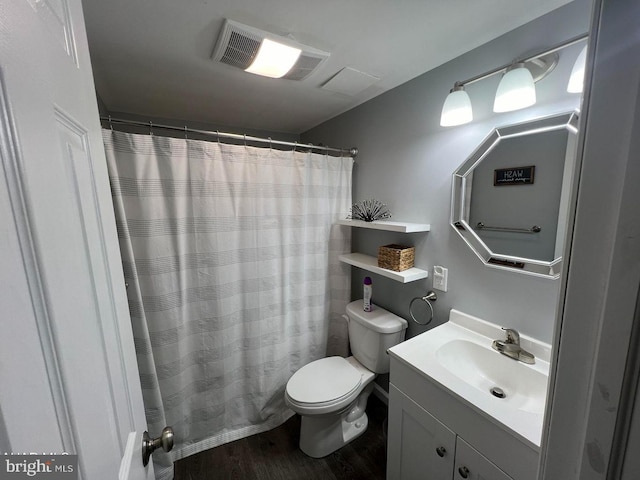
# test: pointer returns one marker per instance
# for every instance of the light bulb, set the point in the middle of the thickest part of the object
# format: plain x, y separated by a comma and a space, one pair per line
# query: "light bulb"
516, 89
576, 80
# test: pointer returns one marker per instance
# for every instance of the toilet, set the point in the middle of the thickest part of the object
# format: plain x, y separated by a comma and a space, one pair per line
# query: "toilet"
331, 394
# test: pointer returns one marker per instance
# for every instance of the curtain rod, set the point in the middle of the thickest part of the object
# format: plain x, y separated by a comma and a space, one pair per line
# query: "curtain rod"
246, 138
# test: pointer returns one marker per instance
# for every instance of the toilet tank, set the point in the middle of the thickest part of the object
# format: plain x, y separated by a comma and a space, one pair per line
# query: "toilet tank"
372, 333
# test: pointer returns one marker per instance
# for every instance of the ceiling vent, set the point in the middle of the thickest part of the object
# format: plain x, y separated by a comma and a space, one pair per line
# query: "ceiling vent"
238, 45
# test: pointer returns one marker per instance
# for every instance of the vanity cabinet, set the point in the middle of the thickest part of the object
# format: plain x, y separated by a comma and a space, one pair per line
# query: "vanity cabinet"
422, 447
369, 263
434, 435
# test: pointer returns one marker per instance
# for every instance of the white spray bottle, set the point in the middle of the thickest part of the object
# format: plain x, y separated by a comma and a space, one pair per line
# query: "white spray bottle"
368, 291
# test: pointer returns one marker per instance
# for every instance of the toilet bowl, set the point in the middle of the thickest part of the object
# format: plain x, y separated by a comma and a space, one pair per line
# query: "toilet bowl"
331, 394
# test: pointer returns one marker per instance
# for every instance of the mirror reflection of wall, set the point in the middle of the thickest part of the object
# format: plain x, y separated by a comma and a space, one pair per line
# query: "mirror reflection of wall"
520, 205
519, 179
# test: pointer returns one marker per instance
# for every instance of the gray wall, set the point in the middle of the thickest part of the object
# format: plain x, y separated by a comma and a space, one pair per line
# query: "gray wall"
406, 160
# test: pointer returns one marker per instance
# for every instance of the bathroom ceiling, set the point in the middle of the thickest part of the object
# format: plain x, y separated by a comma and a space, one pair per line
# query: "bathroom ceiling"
153, 57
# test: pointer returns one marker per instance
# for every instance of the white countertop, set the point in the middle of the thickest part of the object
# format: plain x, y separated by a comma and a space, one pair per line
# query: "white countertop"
458, 356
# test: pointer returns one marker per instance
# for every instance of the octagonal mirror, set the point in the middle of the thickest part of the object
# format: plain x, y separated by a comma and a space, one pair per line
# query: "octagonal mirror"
511, 197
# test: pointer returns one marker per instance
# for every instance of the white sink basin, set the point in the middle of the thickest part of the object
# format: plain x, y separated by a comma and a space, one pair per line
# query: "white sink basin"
485, 369
458, 356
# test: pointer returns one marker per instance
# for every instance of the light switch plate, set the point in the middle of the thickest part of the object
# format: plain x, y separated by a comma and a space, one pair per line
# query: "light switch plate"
440, 278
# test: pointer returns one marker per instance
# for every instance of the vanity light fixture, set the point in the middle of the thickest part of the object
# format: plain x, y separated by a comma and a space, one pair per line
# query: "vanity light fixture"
517, 86
457, 108
576, 79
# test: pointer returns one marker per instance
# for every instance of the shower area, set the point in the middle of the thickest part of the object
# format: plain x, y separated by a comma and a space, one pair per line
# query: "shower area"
230, 254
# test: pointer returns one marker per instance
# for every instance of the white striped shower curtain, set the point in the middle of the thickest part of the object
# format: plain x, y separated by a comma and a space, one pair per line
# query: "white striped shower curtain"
231, 257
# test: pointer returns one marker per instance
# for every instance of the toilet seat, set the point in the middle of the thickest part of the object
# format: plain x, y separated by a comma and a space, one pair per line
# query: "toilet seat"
324, 385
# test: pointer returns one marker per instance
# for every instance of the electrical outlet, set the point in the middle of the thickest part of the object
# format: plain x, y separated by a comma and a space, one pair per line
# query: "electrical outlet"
440, 278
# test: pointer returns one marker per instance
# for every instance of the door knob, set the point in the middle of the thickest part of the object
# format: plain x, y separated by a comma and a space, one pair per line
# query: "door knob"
464, 472
441, 451
149, 445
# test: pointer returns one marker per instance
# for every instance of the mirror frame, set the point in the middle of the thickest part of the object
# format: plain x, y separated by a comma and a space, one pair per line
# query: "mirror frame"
460, 205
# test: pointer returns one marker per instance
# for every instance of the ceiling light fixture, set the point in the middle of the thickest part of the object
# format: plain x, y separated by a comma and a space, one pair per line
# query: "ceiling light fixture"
265, 53
457, 108
274, 59
576, 79
517, 86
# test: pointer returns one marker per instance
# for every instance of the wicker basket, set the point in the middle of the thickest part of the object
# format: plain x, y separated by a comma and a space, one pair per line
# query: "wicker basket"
396, 257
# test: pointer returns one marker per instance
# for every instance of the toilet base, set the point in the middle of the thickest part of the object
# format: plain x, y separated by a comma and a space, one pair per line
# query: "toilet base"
322, 435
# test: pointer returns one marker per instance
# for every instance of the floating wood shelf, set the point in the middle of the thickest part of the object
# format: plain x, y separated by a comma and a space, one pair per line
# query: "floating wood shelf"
367, 262
403, 227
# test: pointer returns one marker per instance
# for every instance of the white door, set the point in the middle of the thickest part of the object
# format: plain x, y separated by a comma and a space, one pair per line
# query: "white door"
68, 373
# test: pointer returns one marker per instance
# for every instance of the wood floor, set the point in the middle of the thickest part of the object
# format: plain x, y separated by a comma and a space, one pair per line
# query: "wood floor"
275, 455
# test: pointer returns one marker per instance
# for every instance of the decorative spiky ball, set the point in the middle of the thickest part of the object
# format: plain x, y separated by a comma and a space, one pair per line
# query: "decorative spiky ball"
369, 210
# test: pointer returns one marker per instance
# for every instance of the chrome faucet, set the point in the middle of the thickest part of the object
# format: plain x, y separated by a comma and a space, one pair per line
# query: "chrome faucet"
511, 347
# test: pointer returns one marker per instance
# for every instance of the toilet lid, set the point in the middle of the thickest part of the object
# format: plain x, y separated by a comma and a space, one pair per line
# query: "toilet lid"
324, 380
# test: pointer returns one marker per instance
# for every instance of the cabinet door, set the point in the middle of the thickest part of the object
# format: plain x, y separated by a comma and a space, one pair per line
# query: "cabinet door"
472, 465
418, 446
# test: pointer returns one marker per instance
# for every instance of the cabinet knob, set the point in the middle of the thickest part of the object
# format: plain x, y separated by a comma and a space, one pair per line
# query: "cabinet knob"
464, 472
441, 451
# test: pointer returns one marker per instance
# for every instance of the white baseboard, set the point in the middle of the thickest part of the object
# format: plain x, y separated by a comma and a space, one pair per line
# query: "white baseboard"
381, 393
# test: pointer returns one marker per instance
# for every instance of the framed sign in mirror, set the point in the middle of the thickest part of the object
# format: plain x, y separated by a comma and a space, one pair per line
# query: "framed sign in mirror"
511, 197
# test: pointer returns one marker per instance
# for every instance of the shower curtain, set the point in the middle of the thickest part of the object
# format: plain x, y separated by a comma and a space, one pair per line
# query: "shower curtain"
231, 254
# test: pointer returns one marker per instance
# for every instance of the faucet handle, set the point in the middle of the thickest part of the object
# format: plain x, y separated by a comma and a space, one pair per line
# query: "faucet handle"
512, 336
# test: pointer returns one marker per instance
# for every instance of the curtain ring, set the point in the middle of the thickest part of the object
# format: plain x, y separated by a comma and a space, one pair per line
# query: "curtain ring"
110, 124
431, 295
269, 143
150, 128
218, 135
295, 145
185, 133
245, 139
